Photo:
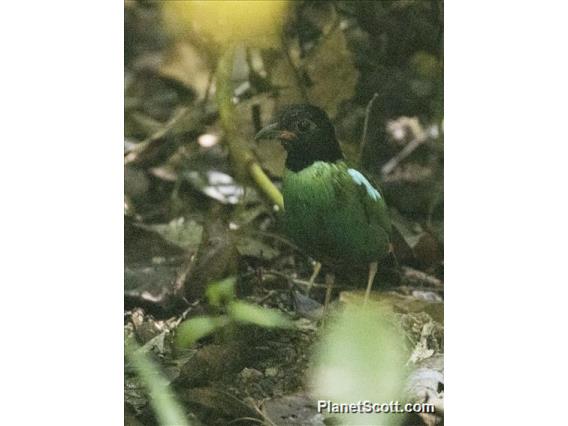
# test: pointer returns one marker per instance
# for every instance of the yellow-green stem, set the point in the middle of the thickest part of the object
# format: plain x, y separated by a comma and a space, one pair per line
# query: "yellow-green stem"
241, 156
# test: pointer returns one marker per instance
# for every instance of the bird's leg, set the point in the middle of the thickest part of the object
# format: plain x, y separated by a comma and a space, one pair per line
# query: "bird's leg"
315, 273
329, 279
372, 272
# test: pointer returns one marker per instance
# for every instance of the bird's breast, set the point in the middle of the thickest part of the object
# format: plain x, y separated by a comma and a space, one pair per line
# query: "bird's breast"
324, 218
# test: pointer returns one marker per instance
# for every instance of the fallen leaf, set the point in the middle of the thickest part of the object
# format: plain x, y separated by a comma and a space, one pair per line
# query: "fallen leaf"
185, 63
326, 76
217, 185
248, 246
293, 410
183, 233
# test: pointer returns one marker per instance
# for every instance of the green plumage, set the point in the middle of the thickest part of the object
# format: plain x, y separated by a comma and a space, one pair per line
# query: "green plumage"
331, 211
335, 215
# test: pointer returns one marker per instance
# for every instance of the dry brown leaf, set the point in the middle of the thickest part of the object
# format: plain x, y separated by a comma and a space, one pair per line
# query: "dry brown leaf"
184, 63
330, 71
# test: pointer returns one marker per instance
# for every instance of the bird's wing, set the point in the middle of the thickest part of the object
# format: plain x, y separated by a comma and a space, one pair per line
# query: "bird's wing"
366, 192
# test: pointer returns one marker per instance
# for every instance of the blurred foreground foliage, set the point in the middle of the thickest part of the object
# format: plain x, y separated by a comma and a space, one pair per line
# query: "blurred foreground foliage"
214, 293
358, 359
222, 294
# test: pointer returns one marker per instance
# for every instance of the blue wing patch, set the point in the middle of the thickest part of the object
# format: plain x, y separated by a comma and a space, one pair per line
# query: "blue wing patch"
362, 180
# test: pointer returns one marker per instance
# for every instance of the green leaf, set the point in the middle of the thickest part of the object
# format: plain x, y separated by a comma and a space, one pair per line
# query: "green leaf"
221, 292
167, 408
361, 358
252, 314
190, 331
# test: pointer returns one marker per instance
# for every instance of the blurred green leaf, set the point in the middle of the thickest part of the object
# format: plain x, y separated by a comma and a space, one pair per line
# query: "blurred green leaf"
393, 302
167, 408
252, 314
221, 292
361, 358
191, 330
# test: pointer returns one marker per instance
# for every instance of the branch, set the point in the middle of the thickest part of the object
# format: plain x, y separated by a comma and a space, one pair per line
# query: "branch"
365, 137
401, 155
241, 156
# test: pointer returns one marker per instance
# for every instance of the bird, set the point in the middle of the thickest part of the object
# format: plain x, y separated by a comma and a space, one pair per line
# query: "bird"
334, 212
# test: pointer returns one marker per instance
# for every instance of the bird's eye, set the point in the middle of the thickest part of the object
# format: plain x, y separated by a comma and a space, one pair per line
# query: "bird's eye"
304, 125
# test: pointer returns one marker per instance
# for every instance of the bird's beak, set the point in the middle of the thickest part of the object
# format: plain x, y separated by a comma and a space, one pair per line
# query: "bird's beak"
273, 131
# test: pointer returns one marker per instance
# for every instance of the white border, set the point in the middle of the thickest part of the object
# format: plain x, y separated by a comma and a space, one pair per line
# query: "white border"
61, 92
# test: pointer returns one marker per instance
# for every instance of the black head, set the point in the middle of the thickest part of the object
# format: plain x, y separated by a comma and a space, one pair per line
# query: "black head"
306, 133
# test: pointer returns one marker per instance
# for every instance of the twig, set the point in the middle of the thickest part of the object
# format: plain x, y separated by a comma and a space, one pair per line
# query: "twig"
425, 279
267, 419
300, 281
402, 154
268, 296
172, 122
365, 136
278, 238
183, 274
208, 89
155, 141
252, 419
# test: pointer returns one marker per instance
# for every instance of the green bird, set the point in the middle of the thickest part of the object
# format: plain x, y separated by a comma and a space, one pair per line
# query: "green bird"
332, 211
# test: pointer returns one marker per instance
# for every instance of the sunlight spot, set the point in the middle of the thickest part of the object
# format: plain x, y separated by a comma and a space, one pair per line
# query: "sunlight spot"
207, 140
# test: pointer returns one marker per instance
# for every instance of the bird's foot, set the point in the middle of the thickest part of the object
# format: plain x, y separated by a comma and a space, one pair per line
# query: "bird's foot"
372, 272
329, 280
315, 273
